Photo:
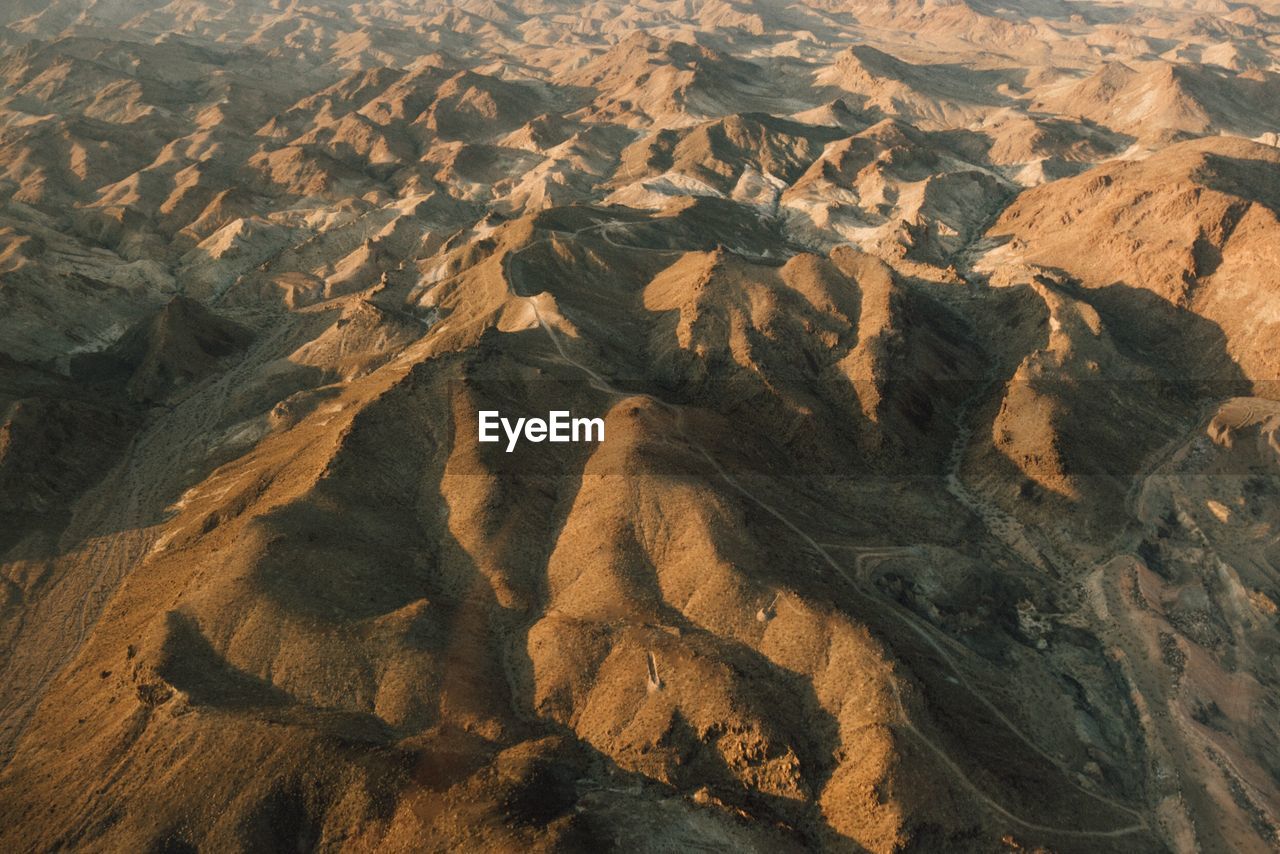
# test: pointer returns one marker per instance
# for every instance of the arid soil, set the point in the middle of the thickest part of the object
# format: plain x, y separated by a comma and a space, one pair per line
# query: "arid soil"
937, 344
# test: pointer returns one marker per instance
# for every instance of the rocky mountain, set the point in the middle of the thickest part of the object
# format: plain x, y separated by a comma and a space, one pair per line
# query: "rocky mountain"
933, 352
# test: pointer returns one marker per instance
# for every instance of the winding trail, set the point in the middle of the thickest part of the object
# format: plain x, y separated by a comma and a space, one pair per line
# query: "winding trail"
114, 525
601, 384
928, 633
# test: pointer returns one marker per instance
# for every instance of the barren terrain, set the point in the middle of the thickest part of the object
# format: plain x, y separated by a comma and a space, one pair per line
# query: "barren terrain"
938, 348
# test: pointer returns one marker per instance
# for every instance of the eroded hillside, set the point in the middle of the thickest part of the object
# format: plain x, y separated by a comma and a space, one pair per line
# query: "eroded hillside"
935, 350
